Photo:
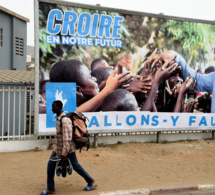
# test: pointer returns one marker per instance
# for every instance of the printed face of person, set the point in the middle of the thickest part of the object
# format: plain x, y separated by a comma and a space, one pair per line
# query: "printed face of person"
174, 80
90, 87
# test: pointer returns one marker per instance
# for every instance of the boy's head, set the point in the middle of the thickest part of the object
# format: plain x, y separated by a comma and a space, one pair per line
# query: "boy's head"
120, 100
209, 69
200, 71
75, 71
174, 80
99, 62
101, 74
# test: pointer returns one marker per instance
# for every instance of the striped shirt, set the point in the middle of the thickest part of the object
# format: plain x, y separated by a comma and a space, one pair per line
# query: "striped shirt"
64, 145
204, 82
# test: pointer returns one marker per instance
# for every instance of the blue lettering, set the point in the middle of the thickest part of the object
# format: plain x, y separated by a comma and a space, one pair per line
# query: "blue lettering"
116, 27
51, 26
131, 117
94, 121
106, 122
117, 123
68, 23
212, 122
203, 121
192, 120
84, 24
52, 39
105, 24
174, 120
94, 25
145, 120
155, 120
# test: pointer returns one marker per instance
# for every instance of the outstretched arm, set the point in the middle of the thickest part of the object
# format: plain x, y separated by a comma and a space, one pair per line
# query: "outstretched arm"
114, 81
185, 86
204, 82
161, 74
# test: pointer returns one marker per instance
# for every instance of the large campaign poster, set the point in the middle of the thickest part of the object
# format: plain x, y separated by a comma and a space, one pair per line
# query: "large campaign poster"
127, 71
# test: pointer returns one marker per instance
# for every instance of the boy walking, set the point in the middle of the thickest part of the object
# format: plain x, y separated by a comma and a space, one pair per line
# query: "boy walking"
65, 148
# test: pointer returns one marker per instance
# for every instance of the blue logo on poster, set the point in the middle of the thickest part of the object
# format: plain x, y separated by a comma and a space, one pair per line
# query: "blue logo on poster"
66, 93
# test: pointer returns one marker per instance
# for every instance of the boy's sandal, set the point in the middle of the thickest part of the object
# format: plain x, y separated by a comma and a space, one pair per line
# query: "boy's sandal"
89, 188
46, 192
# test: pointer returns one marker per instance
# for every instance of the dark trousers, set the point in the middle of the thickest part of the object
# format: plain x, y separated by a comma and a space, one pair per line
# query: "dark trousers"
76, 166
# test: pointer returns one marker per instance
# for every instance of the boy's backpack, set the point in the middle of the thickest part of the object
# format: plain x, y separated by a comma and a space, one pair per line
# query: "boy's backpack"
80, 133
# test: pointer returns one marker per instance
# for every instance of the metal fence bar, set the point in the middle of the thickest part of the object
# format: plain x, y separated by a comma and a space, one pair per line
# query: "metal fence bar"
8, 121
14, 110
25, 103
19, 110
2, 112
30, 114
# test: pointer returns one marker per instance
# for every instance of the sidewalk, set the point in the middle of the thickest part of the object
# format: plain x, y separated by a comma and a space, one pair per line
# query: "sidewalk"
162, 190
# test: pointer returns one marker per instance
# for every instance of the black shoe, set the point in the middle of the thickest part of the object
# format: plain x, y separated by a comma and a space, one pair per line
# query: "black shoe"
69, 167
64, 170
58, 168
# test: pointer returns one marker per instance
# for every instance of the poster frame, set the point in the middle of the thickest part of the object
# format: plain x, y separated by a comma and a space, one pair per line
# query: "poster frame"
101, 8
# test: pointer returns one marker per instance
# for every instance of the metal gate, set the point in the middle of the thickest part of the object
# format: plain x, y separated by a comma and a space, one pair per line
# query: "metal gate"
17, 112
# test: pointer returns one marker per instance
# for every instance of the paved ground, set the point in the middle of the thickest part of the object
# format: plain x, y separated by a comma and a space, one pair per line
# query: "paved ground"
195, 193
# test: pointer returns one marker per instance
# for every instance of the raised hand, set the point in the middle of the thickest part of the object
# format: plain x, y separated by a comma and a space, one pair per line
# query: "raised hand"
126, 61
116, 81
174, 91
147, 70
140, 85
165, 72
191, 105
189, 83
167, 57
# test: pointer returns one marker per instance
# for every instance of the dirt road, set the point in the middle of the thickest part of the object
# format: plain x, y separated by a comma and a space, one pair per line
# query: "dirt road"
117, 167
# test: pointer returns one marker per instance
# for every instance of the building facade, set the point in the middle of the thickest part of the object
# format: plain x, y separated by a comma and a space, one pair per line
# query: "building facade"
13, 40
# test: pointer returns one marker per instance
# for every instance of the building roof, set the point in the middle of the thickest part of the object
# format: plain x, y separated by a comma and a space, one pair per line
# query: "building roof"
14, 14
16, 76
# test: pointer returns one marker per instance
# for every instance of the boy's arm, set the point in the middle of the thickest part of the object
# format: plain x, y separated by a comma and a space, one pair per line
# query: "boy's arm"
204, 82
161, 74
154, 108
114, 81
185, 86
125, 61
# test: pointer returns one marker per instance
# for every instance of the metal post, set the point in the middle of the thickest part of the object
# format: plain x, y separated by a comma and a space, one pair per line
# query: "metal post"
158, 136
96, 140
213, 132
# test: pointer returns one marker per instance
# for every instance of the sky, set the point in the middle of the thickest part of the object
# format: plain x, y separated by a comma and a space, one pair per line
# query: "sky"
196, 9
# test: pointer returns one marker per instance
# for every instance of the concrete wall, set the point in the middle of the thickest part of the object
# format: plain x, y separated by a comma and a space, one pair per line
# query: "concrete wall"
6, 50
12, 28
23, 145
19, 31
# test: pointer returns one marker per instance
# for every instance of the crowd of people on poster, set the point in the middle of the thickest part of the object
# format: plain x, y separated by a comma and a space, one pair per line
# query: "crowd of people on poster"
138, 66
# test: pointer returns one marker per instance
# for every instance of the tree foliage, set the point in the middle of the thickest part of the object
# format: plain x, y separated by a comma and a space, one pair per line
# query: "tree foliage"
188, 38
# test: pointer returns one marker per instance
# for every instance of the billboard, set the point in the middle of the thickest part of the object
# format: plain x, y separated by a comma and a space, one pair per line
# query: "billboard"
125, 70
